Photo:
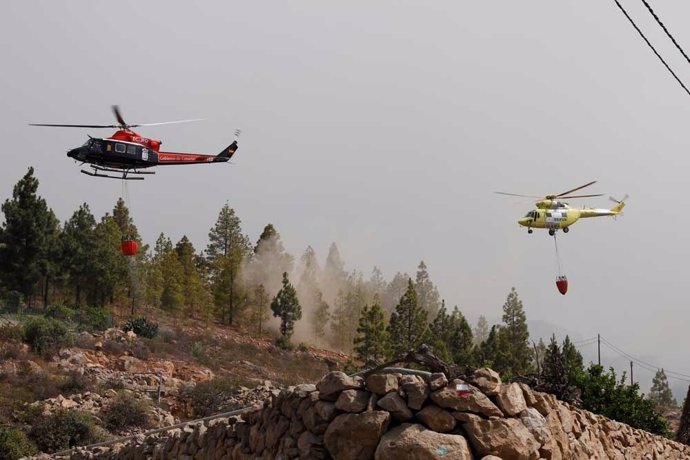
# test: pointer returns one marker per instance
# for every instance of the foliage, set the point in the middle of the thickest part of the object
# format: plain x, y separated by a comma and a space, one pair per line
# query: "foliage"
29, 239
141, 327
260, 303
61, 312
64, 429
269, 260
15, 444
46, 336
226, 253
209, 397
283, 342
452, 336
515, 337
110, 270
603, 394
427, 293
194, 290
371, 342
78, 241
320, 316
286, 306
350, 301
13, 301
75, 382
408, 324
97, 319
126, 411
11, 332
660, 393
481, 330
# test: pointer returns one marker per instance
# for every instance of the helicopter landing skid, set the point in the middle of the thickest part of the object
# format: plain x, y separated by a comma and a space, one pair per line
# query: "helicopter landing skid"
125, 173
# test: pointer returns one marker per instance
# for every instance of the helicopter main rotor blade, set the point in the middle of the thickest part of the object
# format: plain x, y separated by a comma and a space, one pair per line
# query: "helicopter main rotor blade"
73, 126
579, 196
166, 122
516, 194
560, 195
118, 116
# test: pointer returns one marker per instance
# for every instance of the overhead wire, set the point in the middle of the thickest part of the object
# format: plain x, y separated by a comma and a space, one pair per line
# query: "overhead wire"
652, 47
644, 364
661, 24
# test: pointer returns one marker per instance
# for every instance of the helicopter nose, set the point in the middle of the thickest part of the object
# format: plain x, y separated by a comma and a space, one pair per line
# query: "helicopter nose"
75, 153
524, 221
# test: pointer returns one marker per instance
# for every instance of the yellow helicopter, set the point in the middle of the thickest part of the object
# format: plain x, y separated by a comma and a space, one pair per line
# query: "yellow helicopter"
554, 214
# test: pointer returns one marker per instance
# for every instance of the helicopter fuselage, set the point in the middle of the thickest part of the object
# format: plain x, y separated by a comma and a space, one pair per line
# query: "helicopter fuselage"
564, 216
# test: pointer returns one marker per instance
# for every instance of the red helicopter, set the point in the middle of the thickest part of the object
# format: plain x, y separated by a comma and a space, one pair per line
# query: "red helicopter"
126, 152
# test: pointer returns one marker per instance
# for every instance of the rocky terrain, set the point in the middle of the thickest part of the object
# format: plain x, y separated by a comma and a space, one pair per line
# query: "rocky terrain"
400, 415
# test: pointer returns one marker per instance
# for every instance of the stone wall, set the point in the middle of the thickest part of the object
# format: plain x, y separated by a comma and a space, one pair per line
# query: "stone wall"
396, 416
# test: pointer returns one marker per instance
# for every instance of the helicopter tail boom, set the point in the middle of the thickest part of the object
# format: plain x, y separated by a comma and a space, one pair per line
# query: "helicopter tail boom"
227, 152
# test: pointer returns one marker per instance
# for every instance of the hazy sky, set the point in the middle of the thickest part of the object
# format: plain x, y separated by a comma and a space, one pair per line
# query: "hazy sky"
385, 126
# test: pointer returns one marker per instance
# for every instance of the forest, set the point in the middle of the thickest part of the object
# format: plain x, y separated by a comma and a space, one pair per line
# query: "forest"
77, 265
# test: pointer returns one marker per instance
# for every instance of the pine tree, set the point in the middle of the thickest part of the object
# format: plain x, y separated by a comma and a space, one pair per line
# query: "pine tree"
554, 370
78, 246
350, 301
516, 335
572, 359
408, 324
394, 291
260, 304
452, 337
269, 260
660, 393
481, 330
193, 289
30, 244
371, 342
333, 278
493, 352
226, 253
427, 294
286, 306
172, 274
110, 266
320, 317
310, 271
125, 221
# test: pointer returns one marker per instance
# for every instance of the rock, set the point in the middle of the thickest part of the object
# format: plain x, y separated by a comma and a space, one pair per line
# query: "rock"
98, 346
394, 404
511, 400
334, 382
355, 436
437, 380
354, 401
487, 380
131, 335
416, 389
382, 383
476, 402
506, 438
413, 441
437, 419
536, 424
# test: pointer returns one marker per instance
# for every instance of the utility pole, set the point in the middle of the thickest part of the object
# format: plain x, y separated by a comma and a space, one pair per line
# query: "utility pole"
631, 374
599, 349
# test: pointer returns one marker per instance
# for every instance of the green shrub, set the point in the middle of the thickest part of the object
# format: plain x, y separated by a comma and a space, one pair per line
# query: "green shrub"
14, 301
142, 327
302, 347
75, 382
98, 319
46, 336
284, 343
210, 397
11, 333
61, 312
126, 411
64, 429
15, 444
197, 350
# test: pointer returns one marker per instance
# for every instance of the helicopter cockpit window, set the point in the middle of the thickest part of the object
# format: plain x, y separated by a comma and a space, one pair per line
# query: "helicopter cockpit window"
120, 148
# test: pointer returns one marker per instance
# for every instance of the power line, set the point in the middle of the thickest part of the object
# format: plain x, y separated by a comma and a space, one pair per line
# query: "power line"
652, 47
645, 365
651, 11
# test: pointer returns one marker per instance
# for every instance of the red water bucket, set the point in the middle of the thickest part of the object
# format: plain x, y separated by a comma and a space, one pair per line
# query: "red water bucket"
129, 247
562, 284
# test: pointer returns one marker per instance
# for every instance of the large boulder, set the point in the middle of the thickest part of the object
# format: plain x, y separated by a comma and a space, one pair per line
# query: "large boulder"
416, 442
355, 436
416, 389
334, 382
394, 404
505, 438
437, 419
536, 424
382, 383
354, 401
511, 399
476, 401
487, 380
